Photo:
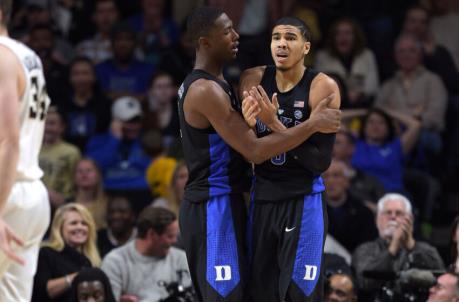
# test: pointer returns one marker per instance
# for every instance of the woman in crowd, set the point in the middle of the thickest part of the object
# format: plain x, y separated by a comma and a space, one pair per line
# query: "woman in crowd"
71, 247
89, 190
345, 56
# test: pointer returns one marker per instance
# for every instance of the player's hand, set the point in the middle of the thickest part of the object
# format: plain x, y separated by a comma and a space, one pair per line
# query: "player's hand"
325, 119
250, 109
268, 108
7, 237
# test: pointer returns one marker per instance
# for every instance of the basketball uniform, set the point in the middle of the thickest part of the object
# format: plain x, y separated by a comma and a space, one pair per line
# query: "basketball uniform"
27, 209
213, 213
287, 223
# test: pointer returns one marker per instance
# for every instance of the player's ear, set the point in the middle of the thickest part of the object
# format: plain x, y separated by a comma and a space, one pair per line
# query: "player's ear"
307, 47
203, 42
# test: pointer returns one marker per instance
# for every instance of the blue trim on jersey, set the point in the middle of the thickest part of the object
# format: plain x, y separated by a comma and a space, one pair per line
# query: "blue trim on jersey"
249, 236
222, 255
219, 160
306, 271
318, 185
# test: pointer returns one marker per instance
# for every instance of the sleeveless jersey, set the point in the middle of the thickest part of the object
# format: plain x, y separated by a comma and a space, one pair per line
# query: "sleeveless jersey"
281, 178
33, 106
215, 169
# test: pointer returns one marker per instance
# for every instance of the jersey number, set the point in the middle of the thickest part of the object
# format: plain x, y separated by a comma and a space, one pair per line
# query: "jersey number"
278, 160
38, 108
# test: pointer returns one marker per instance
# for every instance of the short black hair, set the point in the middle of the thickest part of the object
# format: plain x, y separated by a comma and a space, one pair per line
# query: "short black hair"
154, 218
201, 20
6, 7
391, 134
298, 23
122, 28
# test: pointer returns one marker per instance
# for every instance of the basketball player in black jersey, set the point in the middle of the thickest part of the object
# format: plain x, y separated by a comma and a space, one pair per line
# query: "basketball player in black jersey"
216, 140
288, 221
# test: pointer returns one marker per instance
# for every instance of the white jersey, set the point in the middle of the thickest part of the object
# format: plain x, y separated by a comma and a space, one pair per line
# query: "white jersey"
33, 107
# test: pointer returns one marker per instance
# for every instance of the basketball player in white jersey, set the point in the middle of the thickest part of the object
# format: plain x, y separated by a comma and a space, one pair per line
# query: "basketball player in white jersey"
24, 205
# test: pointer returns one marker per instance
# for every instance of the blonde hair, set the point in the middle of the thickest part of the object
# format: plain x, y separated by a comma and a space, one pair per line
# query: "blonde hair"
174, 200
56, 241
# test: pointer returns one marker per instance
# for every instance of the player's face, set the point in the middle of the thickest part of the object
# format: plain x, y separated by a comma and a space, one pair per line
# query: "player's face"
223, 40
119, 215
164, 242
82, 76
444, 290
344, 38
74, 229
340, 289
86, 175
376, 128
91, 291
288, 47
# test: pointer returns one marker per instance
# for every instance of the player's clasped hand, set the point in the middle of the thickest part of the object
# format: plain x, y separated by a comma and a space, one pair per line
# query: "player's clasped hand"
326, 120
7, 237
258, 104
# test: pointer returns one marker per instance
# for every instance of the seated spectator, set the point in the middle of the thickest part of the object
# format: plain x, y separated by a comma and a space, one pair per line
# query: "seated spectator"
446, 289
123, 74
340, 288
159, 176
57, 159
176, 189
436, 58
136, 268
71, 247
119, 153
362, 185
89, 190
395, 249
99, 48
454, 245
415, 91
85, 108
157, 32
347, 57
91, 284
380, 151
349, 221
120, 225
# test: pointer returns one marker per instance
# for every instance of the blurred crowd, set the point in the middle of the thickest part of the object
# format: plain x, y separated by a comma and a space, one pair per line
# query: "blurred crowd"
112, 154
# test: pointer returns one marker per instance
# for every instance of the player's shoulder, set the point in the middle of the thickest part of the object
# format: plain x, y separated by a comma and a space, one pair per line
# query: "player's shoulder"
8, 58
253, 74
323, 81
205, 89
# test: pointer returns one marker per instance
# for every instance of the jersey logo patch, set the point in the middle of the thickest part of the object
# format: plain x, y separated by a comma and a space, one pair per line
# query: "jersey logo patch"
298, 114
289, 229
311, 272
298, 104
223, 272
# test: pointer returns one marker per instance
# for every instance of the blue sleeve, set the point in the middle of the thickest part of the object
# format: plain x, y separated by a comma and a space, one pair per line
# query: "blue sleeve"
103, 149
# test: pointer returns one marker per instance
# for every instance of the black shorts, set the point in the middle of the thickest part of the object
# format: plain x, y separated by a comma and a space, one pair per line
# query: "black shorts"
286, 241
213, 235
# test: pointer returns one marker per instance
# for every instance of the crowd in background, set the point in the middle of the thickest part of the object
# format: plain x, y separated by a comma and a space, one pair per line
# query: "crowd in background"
112, 151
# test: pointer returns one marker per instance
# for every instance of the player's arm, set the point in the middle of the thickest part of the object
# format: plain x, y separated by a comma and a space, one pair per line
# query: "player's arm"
207, 103
9, 139
315, 153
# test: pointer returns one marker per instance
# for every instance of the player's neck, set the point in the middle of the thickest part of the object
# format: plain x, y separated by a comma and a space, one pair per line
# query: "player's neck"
287, 79
213, 67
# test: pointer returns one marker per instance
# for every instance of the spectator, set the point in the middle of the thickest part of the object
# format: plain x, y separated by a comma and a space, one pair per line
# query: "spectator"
446, 289
436, 58
91, 284
85, 107
120, 225
136, 268
362, 185
124, 74
340, 288
159, 176
347, 57
89, 190
395, 249
454, 245
119, 153
99, 48
175, 190
71, 247
414, 90
157, 32
57, 159
70, 19
380, 151
350, 222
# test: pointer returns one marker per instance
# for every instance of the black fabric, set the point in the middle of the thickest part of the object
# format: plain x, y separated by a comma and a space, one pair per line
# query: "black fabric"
272, 252
54, 264
291, 174
196, 147
104, 245
193, 219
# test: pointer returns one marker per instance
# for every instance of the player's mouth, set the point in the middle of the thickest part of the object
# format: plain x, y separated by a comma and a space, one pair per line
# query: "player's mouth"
281, 57
235, 48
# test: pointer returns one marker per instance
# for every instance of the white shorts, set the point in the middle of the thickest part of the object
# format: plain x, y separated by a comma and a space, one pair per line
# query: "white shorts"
27, 212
